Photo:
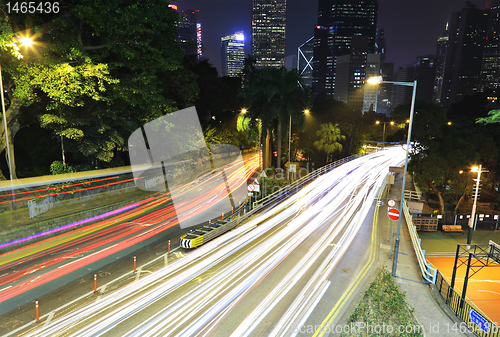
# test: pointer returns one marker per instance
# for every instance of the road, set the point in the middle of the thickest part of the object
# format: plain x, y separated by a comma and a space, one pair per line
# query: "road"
262, 278
31, 271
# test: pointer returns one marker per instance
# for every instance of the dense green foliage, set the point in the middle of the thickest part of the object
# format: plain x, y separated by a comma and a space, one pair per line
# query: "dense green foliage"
383, 305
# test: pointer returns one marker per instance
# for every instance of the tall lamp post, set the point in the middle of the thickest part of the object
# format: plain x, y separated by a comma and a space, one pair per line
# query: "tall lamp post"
383, 133
25, 41
378, 80
473, 215
306, 111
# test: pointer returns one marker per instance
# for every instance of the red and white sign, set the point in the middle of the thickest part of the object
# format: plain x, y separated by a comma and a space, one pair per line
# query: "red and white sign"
393, 214
256, 181
251, 188
391, 203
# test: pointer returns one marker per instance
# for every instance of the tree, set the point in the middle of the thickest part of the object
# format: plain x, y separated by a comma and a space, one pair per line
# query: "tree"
441, 151
329, 136
101, 69
274, 95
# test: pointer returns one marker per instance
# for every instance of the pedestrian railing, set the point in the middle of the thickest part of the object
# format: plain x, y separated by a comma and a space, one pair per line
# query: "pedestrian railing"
296, 185
428, 272
473, 319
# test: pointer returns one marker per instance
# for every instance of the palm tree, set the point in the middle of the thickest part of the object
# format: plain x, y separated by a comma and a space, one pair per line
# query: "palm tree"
329, 137
274, 95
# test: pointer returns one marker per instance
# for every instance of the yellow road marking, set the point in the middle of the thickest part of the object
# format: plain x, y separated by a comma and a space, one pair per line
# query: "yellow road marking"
327, 322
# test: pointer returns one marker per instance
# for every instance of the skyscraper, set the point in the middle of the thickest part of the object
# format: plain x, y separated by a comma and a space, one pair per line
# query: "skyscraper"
232, 54
425, 74
338, 22
441, 49
304, 60
464, 55
268, 32
189, 33
490, 68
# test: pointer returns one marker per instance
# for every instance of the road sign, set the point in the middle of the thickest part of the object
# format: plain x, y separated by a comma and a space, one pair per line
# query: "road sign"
256, 188
391, 203
250, 194
393, 214
256, 181
263, 174
251, 188
292, 168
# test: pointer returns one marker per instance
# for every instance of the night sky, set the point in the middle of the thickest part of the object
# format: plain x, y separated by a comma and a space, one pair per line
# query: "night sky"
411, 26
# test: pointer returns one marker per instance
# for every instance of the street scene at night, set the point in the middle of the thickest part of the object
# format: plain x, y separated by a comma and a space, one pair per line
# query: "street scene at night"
250, 168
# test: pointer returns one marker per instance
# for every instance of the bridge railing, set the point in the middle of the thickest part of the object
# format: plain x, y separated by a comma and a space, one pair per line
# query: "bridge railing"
428, 272
293, 187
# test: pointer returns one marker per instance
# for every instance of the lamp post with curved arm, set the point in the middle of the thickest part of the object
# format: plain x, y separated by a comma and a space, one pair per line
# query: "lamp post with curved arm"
378, 80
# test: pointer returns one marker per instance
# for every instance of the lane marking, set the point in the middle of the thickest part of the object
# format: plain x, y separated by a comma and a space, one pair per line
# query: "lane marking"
49, 318
349, 291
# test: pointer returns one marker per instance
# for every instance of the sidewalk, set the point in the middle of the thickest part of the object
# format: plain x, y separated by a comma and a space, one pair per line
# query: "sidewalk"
431, 311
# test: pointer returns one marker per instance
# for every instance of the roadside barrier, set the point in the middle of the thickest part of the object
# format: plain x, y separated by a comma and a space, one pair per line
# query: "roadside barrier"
428, 272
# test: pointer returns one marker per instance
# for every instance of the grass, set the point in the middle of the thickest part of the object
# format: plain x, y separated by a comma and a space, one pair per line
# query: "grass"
383, 311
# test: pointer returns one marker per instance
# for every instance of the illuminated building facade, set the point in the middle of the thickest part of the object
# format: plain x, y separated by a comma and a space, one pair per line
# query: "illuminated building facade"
464, 55
189, 33
305, 55
490, 68
338, 22
268, 32
232, 54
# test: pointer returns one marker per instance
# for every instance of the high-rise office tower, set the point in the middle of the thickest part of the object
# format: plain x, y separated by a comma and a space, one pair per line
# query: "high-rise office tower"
441, 48
351, 72
373, 68
403, 94
425, 74
268, 32
490, 68
464, 55
338, 22
304, 60
189, 33
232, 54
380, 44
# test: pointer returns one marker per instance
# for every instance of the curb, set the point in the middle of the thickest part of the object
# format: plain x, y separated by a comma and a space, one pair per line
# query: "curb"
446, 309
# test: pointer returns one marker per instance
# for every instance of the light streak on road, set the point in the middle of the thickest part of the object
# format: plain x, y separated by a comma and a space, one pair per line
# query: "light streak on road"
34, 265
198, 294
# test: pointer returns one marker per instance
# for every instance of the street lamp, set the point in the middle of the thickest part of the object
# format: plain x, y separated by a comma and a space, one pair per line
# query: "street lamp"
25, 41
306, 111
473, 215
378, 80
383, 133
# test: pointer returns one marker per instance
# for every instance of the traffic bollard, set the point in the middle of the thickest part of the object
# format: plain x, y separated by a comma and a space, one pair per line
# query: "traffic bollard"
169, 246
95, 283
231, 210
222, 216
37, 312
135, 264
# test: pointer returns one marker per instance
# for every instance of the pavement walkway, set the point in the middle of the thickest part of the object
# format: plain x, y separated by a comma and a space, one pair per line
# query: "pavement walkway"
430, 310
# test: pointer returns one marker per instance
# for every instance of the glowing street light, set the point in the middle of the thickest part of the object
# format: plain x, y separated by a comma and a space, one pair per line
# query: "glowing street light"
25, 42
473, 215
306, 111
383, 133
379, 80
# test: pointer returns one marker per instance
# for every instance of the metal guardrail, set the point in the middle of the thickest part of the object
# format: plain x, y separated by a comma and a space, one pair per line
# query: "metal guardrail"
218, 227
293, 187
466, 311
428, 272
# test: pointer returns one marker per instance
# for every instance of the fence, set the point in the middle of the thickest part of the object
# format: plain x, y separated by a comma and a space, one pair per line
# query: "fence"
293, 187
474, 319
428, 272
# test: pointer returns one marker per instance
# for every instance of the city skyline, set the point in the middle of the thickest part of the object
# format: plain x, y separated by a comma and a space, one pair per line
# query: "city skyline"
411, 27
